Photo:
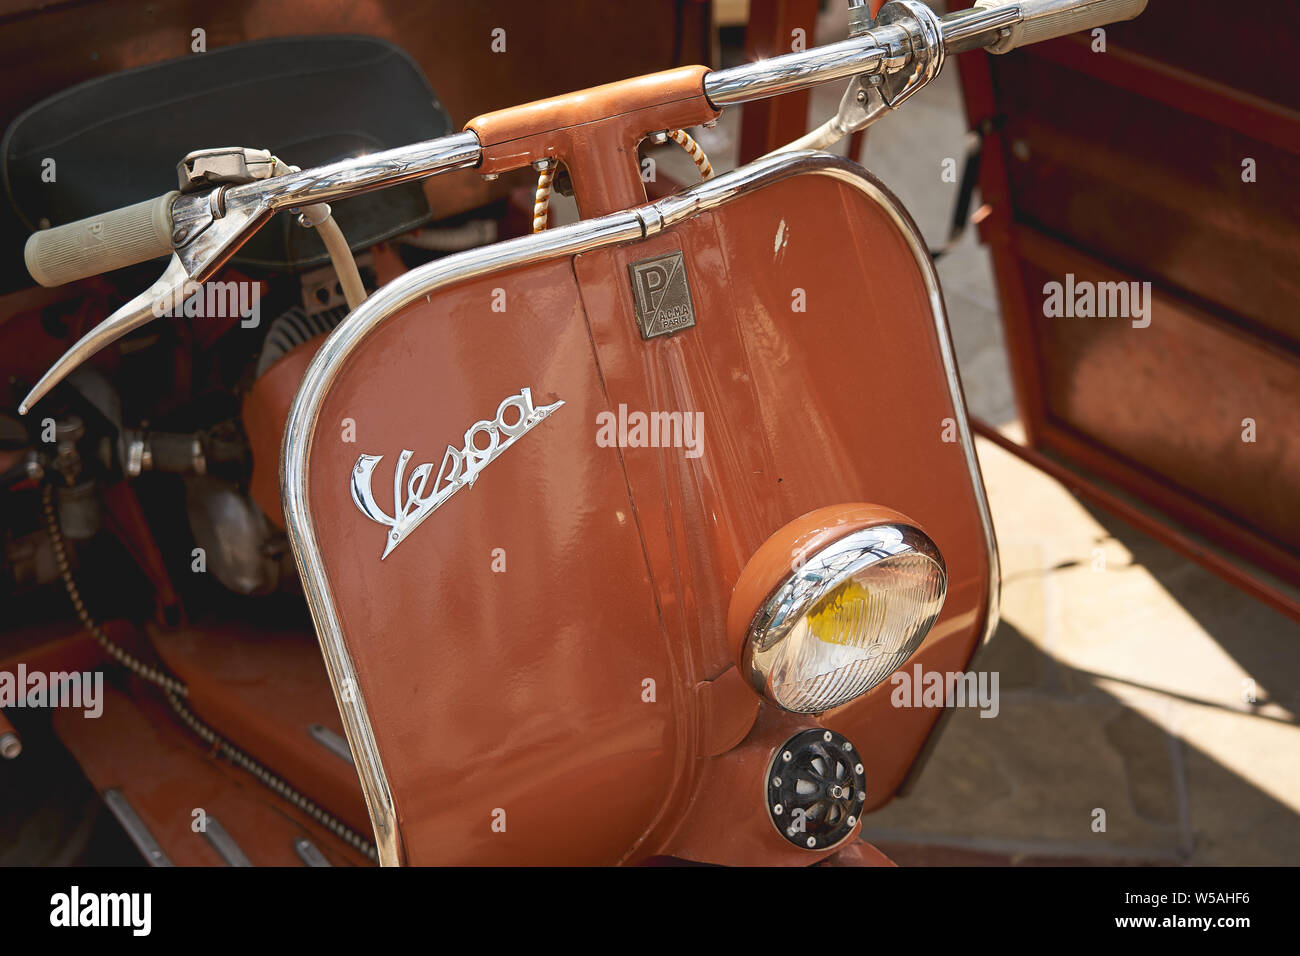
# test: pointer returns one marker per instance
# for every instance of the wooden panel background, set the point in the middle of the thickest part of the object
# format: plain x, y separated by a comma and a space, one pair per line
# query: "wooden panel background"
1127, 165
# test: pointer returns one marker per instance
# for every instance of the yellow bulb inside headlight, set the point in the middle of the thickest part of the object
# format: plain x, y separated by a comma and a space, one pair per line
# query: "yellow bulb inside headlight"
835, 619
845, 617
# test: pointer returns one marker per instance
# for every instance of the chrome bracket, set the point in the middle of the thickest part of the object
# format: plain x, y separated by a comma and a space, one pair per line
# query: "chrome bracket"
924, 30
918, 40
860, 21
861, 105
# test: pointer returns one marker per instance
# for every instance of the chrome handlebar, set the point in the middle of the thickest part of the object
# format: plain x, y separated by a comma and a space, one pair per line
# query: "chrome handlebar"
905, 46
906, 31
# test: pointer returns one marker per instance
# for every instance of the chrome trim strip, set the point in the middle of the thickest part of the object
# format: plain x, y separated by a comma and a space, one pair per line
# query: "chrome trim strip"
224, 843
135, 828
331, 742
624, 226
309, 853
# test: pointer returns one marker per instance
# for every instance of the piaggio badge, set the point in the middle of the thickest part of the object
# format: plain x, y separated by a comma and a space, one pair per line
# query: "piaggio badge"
661, 295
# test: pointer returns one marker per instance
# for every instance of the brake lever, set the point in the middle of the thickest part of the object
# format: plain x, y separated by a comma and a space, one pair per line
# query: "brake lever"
141, 310
207, 230
185, 274
209, 227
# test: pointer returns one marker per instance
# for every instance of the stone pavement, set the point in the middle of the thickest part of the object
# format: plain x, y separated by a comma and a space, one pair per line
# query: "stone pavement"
1124, 677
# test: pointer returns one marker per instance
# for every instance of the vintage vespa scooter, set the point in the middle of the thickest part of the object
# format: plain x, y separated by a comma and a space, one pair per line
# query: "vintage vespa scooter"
612, 534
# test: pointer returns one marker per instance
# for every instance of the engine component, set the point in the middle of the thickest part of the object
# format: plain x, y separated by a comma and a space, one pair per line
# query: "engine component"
11, 745
236, 539
162, 451
79, 512
26, 468
220, 449
457, 238
28, 562
67, 459
815, 787
293, 327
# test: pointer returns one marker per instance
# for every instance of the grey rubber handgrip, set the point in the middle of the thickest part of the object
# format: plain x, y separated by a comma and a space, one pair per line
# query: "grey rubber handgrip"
1048, 19
101, 243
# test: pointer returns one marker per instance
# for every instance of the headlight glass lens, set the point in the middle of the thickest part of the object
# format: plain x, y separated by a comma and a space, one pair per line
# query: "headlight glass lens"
846, 618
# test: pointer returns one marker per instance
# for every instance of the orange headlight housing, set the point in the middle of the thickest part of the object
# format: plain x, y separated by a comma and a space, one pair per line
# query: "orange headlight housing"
833, 603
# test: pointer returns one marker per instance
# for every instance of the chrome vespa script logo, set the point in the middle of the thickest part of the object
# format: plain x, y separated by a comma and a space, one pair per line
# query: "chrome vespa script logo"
459, 468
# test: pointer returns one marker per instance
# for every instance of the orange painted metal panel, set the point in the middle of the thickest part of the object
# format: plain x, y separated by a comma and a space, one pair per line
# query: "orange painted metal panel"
521, 690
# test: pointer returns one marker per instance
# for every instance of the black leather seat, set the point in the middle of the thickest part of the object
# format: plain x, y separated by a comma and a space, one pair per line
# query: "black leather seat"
116, 140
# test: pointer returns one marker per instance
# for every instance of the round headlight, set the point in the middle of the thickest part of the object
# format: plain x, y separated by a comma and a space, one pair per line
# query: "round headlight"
860, 590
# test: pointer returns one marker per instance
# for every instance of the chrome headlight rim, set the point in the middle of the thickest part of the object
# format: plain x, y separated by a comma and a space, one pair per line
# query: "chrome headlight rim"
817, 575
